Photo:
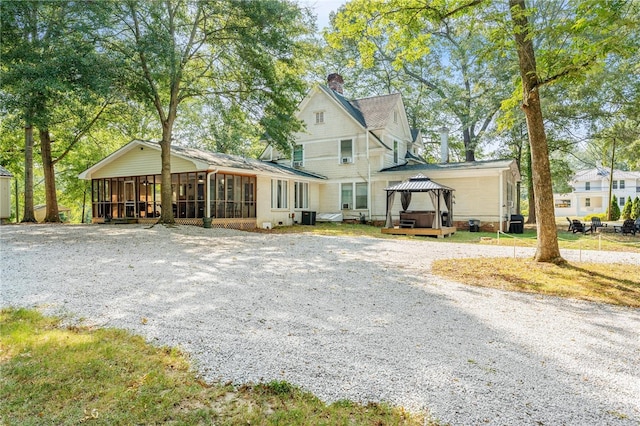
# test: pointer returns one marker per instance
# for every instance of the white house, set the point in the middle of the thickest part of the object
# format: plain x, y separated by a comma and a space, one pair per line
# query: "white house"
350, 151
591, 192
363, 146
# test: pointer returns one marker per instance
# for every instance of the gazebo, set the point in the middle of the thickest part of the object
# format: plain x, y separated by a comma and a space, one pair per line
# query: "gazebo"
435, 222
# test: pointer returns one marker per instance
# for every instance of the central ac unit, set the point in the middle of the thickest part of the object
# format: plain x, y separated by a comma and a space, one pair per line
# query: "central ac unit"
297, 164
346, 206
346, 160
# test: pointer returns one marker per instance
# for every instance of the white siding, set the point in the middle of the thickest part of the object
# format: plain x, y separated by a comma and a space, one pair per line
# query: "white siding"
5, 197
139, 162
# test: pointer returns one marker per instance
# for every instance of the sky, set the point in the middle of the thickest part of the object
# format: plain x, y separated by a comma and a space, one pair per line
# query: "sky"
322, 8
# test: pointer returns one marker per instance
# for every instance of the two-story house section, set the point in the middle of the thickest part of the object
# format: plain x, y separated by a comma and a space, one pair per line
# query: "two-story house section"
591, 191
363, 146
350, 141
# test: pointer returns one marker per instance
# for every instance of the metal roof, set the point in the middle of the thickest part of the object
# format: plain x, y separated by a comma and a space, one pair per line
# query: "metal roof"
418, 183
4, 172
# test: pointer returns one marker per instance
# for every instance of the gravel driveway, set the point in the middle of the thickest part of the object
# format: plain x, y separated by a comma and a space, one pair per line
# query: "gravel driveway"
356, 318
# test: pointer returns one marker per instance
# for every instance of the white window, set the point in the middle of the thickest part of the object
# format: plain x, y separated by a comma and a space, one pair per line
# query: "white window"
346, 199
614, 184
587, 202
351, 198
361, 195
621, 201
301, 195
395, 117
320, 117
621, 184
587, 186
395, 152
346, 151
279, 197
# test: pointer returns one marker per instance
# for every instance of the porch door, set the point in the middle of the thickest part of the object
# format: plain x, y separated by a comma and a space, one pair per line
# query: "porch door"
130, 205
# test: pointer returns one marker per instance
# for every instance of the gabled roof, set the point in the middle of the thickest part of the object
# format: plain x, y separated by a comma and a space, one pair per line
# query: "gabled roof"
4, 172
210, 160
370, 113
411, 157
600, 173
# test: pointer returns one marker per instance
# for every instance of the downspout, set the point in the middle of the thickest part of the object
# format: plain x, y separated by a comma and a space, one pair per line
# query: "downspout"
369, 194
208, 189
501, 200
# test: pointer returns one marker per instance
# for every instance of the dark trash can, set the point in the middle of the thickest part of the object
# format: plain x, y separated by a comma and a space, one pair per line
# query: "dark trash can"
474, 225
516, 224
308, 218
206, 222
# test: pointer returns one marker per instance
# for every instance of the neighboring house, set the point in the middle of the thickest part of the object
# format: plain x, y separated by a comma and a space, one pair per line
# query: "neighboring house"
591, 192
363, 146
236, 192
5, 194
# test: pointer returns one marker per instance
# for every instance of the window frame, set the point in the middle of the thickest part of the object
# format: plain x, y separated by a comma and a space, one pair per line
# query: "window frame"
319, 117
350, 190
396, 152
614, 184
341, 152
301, 199
587, 186
279, 194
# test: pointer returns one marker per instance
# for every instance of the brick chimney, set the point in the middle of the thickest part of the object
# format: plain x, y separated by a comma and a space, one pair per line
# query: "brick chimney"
335, 82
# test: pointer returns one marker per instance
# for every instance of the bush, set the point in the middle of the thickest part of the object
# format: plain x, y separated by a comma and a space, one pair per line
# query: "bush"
626, 210
601, 216
635, 208
615, 210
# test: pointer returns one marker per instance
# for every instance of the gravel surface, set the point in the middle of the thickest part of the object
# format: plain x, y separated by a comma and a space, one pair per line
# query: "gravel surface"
343, 317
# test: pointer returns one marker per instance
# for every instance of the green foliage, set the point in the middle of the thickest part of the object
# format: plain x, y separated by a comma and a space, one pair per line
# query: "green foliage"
626, 209
614, 208
601, 216
635, 208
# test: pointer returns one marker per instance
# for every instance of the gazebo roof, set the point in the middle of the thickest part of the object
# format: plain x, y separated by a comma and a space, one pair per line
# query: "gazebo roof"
418, 183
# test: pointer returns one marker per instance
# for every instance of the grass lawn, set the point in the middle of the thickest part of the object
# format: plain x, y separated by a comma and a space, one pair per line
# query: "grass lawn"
597, 282
69, 375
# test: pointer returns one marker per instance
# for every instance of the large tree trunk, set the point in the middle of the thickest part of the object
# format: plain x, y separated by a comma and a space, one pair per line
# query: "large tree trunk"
166, 215
547, 250
52, 214
29, 213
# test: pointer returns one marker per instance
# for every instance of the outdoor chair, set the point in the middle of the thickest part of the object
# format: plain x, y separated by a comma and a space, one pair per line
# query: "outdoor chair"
597, 223
628, 227
577, 226
570, 225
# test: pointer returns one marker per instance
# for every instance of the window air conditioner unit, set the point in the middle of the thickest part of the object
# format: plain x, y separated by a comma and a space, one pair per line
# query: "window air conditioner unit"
346, 160
297, 164
346, 206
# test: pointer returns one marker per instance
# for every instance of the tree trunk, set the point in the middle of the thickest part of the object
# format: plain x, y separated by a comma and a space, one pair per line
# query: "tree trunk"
547, 250
469, 149
166, 215
29, 213
52, 214
613, 162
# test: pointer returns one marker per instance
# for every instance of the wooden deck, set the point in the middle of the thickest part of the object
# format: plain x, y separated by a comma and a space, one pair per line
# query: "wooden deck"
445, 231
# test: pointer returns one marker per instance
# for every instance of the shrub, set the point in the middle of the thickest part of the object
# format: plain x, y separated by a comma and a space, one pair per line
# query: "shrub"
615, 210
601, 216
635, 208
626, 210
